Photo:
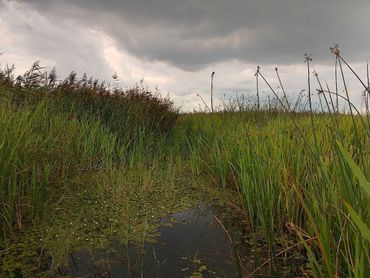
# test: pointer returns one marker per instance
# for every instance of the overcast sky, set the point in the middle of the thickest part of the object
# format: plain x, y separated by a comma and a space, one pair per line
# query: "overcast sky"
176, 44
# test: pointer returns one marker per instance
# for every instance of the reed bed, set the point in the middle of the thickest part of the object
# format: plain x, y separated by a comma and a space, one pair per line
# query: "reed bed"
53, 132
302, 172
293, 188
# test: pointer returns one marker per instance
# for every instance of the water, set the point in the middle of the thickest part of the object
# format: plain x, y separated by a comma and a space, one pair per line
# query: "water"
190, 244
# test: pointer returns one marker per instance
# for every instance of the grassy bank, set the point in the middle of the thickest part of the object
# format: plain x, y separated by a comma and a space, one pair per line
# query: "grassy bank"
82, 164
294, 187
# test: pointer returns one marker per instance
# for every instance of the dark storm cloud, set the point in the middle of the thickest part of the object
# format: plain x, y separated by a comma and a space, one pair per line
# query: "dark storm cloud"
191, 34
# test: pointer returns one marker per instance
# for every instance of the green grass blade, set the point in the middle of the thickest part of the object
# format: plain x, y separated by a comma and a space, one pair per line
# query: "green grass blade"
364, 229
356, 171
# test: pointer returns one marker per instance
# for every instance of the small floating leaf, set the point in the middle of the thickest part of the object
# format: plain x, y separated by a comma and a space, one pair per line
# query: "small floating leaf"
196, 261
202, 268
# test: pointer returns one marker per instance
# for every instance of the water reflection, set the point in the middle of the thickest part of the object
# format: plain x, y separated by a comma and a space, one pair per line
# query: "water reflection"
190, 244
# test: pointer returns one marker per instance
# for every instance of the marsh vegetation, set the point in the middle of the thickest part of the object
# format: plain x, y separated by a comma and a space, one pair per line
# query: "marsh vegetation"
84, 164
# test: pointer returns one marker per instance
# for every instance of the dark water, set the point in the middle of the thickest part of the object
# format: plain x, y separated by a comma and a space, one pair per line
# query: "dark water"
194, 245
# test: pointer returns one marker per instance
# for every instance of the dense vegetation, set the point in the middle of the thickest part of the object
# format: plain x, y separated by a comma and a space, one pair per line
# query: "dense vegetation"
53, 131
302, 178
293, 185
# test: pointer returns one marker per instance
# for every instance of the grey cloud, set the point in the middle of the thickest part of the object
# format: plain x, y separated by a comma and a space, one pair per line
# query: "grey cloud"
192, 34
64, 45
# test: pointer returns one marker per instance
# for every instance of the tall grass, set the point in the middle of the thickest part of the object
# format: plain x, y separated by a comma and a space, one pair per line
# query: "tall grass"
40, 150
52, 132
288, 193
303, 176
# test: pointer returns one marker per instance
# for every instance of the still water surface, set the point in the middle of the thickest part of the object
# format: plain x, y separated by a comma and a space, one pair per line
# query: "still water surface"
190, 244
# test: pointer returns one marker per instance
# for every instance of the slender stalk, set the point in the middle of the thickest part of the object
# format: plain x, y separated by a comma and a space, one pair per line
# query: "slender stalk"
308, 59
257, 87
368, 88
331, 98
212, 75
204, 103
353, 107
272, 90
321, 91
347, 95
282, 88
298, 100
336, 83
354, 73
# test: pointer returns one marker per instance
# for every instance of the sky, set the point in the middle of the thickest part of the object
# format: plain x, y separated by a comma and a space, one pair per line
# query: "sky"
175, 45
